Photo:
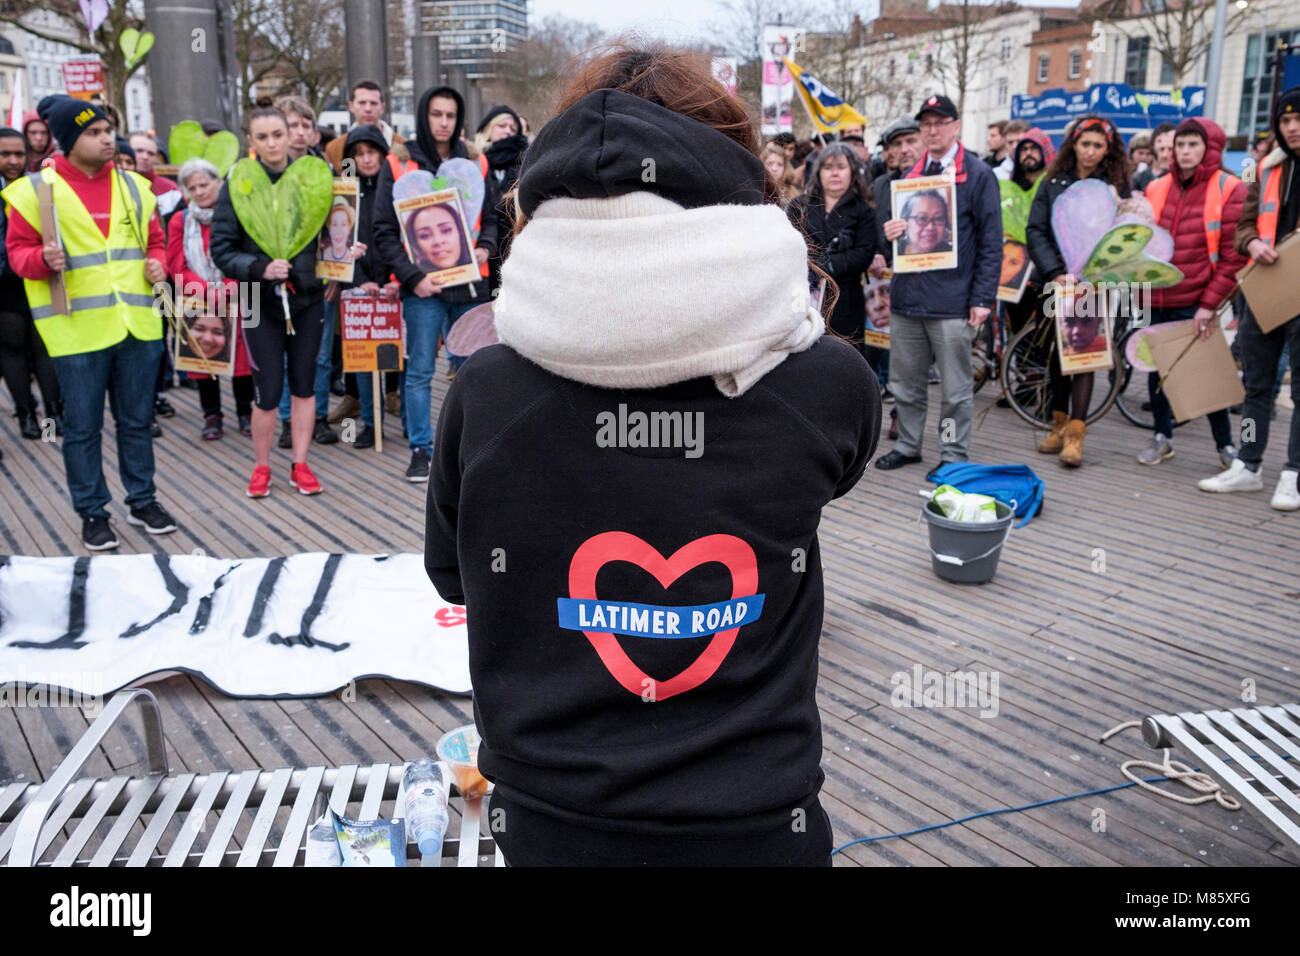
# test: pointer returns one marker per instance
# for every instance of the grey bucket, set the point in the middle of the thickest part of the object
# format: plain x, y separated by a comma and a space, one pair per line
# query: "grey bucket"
967, 553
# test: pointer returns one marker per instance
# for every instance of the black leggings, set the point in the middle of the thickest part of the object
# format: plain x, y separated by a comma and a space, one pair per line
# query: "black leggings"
21, 350
268, 345
210, 395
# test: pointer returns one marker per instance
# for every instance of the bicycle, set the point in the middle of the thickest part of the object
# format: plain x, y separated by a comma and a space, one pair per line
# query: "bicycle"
1134, 399
1026, 373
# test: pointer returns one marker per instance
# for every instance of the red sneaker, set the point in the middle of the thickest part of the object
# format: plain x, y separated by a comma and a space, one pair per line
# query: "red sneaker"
259, 486
300, 477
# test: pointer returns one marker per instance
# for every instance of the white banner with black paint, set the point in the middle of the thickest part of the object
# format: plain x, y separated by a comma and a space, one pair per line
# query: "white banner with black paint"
303, 625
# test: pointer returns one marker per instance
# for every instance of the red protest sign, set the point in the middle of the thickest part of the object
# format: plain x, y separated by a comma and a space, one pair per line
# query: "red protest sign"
372, 333
83, 77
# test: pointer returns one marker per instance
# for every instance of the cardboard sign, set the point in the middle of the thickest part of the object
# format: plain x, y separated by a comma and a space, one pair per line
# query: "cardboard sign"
372, 332
83, 77
207, 332
929, 205
1270, 291
1016, 270
436, 237
334, 248
1198, 375
1083, 329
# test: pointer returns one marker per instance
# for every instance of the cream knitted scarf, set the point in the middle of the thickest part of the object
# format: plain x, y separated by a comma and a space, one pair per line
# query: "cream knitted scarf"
638, 292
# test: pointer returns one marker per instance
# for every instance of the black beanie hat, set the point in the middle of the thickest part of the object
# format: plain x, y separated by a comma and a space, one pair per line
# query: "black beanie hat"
68, 118
496, 111
123, 145
1288, 102
603, 145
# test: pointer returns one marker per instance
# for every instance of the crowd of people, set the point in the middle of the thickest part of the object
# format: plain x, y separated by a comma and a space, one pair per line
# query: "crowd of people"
835, 190
1219, 221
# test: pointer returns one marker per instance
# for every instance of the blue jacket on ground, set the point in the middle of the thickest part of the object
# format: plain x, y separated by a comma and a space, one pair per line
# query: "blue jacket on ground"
952, 293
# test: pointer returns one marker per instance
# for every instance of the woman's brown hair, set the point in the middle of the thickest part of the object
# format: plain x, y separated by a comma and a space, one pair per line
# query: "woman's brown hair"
1115, 165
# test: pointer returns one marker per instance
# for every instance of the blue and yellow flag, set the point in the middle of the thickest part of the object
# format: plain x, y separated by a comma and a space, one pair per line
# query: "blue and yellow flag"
829, 113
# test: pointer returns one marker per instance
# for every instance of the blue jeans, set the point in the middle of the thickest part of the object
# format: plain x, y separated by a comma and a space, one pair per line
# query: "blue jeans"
1161, 410
125, 372
426, 319
366, 395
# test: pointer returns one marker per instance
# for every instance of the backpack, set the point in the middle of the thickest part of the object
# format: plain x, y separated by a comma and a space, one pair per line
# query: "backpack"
1006, 483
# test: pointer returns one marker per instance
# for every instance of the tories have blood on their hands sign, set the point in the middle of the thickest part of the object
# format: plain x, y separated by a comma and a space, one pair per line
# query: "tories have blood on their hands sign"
369, 324
83, 77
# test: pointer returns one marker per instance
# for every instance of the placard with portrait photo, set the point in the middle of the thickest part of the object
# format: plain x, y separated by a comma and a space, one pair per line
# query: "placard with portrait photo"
437, 238
1017, 268
334, 247
929, 207
205, 336
1083, 328
876, 330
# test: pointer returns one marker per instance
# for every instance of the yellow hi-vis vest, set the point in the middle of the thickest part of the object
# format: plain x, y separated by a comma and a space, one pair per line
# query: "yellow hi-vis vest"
108, 296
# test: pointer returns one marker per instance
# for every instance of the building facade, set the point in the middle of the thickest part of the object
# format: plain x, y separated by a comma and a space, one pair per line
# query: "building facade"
472, 33
1060, 57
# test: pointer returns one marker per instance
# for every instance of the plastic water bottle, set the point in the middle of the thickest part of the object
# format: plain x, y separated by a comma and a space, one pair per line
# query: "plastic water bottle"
426, 804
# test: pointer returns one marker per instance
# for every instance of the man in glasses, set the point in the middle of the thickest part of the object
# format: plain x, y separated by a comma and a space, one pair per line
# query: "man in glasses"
938, 312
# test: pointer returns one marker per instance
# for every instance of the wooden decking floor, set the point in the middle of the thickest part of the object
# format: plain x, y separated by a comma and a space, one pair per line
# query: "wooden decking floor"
1132, 594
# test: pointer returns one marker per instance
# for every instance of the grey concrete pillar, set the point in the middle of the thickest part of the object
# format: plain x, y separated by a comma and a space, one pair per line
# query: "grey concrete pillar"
365, 25
426, 67
457, 79
473, 108
191, 69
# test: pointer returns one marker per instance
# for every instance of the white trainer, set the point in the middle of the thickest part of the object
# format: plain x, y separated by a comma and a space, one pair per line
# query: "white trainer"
1286, 497
1237, 478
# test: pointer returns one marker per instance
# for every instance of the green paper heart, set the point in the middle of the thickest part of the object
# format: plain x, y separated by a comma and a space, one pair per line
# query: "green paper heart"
188, 141
282, 217
135, 45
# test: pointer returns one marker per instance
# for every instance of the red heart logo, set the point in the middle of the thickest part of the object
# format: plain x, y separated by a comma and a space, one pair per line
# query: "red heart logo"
599, 550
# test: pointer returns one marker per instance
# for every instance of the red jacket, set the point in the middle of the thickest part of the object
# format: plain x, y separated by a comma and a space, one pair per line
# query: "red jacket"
23, 243
1204, 284
186, 279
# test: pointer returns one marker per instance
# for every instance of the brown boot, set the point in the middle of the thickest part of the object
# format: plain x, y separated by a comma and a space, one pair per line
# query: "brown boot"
1072, 453
1053, 443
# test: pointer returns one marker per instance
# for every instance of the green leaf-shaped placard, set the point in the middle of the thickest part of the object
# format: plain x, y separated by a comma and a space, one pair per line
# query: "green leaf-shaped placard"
282, 217
1118, 245
187, 141
1142, 270
135, 45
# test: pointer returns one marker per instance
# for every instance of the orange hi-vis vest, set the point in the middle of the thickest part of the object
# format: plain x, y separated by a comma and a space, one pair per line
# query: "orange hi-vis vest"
1216, 192
1270, 195
411, 166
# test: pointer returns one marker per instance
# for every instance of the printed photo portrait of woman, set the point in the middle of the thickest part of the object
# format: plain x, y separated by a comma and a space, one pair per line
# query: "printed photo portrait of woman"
336, 237
929, 224
436, 239
1016, 267
209, 345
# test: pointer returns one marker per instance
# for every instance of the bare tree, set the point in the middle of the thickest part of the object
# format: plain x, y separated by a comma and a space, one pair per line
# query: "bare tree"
104, 44
964, 46
291, 46
530, 76
1179, 30
739, 30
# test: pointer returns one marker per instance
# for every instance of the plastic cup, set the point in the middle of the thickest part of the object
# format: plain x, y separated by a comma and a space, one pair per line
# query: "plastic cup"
459, 750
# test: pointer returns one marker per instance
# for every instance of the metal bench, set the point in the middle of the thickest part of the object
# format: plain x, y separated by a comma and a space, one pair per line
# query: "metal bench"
33, 816
1263, 750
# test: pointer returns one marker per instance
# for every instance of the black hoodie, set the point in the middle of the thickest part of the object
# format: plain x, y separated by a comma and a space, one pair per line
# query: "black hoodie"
387, 231
368, 267
652, 748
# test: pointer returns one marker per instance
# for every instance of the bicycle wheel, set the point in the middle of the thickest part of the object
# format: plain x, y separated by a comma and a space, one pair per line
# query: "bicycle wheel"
1027, 379
983, 360
1133, 392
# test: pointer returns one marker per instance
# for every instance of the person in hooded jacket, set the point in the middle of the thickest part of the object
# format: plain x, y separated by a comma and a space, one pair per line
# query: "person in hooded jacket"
1029, 161
1196, 184
40, 144
501, 142
835, 214
686, 733
367, 147
1092, 149
1269, 216
428, 309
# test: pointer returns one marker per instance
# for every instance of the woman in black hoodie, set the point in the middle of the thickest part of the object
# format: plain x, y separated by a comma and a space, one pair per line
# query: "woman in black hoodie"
836, 216
501, 142
367, 148
627, 490
428, 309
